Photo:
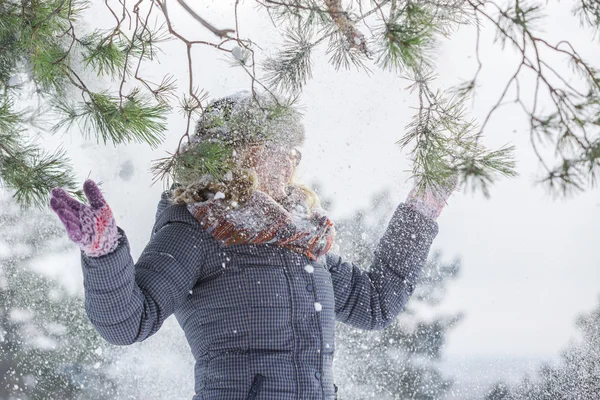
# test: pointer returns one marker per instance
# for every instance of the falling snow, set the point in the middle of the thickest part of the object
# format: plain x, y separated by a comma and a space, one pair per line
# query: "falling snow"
44, 326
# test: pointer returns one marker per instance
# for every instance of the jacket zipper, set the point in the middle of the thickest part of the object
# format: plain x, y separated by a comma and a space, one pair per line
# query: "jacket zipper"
287, 277
255, 387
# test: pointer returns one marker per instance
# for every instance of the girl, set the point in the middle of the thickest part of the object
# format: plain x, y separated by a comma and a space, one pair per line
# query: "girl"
240, 255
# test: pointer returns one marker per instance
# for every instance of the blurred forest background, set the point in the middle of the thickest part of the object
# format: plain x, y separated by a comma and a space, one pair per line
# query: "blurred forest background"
50, 350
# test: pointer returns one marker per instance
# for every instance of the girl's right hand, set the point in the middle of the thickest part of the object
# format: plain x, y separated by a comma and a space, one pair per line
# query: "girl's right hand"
92, 227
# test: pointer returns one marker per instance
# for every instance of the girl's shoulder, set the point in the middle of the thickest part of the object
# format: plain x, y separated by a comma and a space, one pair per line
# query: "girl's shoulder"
176, 213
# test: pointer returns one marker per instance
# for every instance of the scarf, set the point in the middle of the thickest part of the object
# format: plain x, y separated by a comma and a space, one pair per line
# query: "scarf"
288, 223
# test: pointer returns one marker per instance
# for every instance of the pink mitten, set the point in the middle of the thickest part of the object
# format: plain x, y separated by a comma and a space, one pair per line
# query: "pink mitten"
431, 201
92, 227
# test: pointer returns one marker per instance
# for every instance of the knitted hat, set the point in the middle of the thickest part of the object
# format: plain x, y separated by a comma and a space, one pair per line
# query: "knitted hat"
242, 118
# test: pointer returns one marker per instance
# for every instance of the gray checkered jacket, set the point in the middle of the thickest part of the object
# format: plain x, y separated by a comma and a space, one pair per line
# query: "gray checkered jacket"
259, 319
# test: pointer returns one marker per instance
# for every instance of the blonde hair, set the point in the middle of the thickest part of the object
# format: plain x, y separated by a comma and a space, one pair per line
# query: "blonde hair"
237, 187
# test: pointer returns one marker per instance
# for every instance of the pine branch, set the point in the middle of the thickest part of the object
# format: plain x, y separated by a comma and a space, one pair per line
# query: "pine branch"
572, 127
9, 120
588, 12
104, 54
105, 118
445, 143
291, 68
480, 170
408, 38
344, 56
354, 38
309, 14
220, 33
576, 173
32, 173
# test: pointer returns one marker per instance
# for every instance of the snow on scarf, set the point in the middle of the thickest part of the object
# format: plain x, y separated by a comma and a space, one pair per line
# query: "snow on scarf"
289, 223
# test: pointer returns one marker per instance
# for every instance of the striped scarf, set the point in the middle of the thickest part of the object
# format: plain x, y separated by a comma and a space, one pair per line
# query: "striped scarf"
289, 223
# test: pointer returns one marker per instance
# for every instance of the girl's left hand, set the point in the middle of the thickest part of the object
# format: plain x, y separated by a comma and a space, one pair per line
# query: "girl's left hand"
431, 201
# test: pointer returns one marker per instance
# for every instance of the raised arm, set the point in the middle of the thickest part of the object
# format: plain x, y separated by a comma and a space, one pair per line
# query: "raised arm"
373, 299
125, 301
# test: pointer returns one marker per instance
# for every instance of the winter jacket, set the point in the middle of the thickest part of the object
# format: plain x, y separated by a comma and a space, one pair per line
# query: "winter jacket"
259, 319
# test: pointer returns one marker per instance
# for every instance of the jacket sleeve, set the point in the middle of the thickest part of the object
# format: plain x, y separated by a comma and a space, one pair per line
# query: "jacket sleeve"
373, 299
164, 202
127, 302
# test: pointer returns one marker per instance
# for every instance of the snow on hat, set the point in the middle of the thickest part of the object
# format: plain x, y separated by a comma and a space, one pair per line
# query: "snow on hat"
242, 119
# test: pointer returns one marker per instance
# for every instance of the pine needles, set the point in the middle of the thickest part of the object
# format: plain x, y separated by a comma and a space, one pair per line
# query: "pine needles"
42, 48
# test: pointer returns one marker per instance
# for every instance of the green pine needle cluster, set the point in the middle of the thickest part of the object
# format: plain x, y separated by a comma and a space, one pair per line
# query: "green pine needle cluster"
9, 122
33, 173
103, 53
446, 144
407, 39
25, 167
110, 119
205, 158
291, 68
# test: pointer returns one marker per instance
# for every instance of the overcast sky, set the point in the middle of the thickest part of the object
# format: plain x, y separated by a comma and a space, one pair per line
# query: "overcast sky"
529, 262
